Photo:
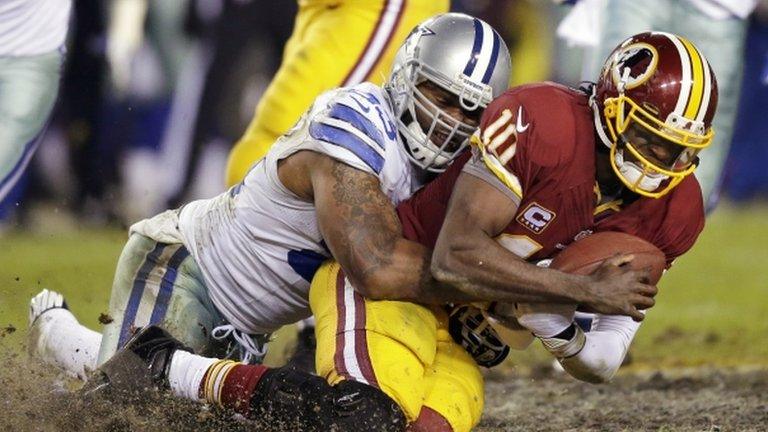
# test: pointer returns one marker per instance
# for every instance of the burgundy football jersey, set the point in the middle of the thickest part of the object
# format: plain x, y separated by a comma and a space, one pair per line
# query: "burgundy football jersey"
538, 140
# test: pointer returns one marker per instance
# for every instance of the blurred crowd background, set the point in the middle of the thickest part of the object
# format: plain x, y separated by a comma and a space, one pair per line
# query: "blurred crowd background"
155, 93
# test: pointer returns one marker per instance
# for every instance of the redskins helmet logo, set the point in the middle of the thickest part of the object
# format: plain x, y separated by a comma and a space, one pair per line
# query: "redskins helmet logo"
641, 60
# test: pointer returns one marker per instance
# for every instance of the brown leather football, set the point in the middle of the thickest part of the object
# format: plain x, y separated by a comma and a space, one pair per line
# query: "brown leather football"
585, 255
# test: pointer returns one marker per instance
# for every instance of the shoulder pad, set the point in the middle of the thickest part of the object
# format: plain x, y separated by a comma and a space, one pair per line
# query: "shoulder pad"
358, 119
540, 119
527, 128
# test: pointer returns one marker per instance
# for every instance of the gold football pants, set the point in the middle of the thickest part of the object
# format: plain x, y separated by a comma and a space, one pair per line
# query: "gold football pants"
334, 43
402, 348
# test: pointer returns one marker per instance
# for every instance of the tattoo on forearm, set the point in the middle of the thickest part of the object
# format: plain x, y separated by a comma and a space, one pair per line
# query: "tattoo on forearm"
374, 227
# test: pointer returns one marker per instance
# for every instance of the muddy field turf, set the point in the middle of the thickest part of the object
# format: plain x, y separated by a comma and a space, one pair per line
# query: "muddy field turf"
35, 399
700, 359
694, 400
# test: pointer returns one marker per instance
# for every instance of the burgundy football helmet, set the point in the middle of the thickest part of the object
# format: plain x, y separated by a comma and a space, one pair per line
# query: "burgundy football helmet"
654, 102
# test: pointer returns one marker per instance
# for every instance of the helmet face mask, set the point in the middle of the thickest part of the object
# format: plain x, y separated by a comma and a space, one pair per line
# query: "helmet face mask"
442, 135
437, 55
654, 112
636, 134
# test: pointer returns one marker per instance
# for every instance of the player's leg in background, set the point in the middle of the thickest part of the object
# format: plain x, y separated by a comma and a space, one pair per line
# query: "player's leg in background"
332, 45
157, 283
28, 90
412, 13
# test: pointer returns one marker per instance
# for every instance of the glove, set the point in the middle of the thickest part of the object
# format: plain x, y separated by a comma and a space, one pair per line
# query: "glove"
471, 330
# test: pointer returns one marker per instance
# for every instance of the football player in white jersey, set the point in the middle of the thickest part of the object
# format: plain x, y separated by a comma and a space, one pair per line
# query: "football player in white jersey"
241, 263
32, 35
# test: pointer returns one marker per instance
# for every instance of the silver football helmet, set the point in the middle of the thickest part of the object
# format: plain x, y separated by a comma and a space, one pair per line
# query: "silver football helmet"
460, 54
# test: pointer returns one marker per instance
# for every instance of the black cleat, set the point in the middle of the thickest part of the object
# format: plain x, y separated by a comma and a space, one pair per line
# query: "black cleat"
141, 365
303, 358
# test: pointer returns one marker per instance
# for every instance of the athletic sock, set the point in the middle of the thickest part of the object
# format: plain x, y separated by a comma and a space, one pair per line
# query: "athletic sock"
429, 420
231, 385
57, 338
187, 372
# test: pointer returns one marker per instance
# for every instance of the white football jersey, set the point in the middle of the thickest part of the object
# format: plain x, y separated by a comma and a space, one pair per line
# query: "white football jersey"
258, 245
32, 27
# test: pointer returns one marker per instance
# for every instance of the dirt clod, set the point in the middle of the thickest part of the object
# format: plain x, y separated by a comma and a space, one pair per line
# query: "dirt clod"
5, 331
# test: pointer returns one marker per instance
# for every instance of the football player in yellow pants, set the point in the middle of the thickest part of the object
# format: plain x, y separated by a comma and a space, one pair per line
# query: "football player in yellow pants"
402, 348
334, 43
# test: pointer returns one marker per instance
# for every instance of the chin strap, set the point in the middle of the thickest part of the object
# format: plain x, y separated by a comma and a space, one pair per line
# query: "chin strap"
597, 120
424, 154
631, 171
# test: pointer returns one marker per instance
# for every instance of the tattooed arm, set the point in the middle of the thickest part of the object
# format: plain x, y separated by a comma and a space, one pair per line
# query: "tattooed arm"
361, 228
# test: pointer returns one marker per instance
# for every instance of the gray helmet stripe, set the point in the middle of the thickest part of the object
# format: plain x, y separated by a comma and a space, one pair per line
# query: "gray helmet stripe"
476, 47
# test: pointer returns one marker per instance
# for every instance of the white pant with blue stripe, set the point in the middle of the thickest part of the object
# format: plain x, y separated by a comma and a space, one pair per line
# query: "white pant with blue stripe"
158, 283
28, 90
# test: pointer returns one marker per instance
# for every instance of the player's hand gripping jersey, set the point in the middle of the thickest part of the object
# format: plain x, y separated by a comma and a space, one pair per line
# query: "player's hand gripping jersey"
258, 245
536, 144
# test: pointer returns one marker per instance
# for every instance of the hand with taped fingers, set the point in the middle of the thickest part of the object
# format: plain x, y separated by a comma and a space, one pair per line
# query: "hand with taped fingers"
614, 288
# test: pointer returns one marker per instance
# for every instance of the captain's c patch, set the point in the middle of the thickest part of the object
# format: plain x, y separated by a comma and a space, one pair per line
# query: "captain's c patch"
535, 217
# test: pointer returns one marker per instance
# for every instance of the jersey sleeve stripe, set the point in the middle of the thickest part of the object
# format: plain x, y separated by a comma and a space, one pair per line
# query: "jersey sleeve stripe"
348, 141
509, 179
497, 168
358, 121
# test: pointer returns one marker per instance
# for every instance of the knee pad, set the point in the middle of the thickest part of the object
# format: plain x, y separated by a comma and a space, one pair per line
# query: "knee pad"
289, 399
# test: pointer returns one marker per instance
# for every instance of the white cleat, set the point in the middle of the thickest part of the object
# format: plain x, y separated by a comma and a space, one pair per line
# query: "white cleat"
44, 301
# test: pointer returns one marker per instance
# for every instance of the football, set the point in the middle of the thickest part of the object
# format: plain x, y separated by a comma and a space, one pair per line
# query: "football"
585, 255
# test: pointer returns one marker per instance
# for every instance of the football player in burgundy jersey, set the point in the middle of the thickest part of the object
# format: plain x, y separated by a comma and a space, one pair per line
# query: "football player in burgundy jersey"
551, 164
538, 177
255, 390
